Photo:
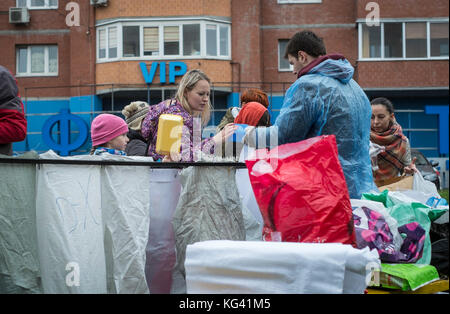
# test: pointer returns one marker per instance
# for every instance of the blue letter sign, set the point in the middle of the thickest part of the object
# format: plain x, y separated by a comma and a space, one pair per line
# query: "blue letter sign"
173, 72
64, 118
176, 68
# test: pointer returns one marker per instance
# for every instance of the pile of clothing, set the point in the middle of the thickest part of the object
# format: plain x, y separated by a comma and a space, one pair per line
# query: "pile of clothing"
405, 227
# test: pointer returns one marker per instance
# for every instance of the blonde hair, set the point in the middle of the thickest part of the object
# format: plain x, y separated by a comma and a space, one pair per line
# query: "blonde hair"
188, 82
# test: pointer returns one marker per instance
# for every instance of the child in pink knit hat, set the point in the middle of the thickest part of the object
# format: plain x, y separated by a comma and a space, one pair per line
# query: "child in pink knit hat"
109, 135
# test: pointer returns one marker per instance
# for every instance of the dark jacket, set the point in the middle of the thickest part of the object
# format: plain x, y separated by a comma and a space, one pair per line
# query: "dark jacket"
137, 145
13, 125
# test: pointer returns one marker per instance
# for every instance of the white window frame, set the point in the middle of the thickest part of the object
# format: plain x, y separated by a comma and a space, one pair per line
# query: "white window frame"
46, 62
107, 42
403, 58
160, 52
180, 41
46, 6
119, 48
229, 41
298, 1
120, 42
217, 40
281, 56
142, 23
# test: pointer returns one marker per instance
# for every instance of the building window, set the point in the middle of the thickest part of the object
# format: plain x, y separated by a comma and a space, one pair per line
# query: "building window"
102, 44
416, 40
163, 40
171, 40
299, 1
404, 40
37, 4
112, 42
107, 43
37, 60
371, 41
191, 39
283, 63
131, 40
211, 40
439, 39
393, 40
224, 39
151, 41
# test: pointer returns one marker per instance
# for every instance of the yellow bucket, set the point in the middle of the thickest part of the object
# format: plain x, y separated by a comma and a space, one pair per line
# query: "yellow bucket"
170, 128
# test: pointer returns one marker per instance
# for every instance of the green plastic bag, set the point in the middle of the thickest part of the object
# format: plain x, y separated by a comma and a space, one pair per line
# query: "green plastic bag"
406, 213
407, 277
381, 198
433, 213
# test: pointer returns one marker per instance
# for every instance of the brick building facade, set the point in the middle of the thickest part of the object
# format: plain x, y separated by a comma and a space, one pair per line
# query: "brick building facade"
96, 66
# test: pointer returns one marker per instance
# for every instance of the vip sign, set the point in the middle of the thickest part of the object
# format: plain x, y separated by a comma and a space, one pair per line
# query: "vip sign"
176, 68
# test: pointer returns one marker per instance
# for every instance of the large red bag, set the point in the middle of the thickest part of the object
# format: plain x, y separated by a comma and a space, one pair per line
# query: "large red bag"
301, 192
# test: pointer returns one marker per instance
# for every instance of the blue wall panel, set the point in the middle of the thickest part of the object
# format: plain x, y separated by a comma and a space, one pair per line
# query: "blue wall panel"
412, 121
39, 111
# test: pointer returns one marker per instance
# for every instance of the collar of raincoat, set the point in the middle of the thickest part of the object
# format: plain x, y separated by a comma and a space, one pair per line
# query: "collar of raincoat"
318, 61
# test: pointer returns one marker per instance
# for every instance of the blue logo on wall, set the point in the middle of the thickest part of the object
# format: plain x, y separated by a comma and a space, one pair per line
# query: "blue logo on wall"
64, 147
176, 68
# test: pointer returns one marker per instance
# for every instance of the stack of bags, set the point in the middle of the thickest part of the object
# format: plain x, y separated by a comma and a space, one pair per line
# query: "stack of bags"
397, 223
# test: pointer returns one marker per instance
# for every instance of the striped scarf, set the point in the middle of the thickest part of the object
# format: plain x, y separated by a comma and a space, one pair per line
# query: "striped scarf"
390, 161
103, 150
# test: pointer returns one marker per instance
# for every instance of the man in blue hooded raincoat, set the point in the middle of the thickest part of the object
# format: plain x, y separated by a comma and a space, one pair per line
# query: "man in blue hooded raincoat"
325, 100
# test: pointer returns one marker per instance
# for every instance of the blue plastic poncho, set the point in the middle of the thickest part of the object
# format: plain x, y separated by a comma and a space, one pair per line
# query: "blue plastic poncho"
328, 101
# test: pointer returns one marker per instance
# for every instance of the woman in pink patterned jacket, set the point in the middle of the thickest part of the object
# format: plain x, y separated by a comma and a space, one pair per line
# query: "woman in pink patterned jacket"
192, 99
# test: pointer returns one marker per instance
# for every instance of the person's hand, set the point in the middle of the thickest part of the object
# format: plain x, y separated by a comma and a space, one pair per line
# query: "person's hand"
226, 132
249, 136
411, 168
172, 157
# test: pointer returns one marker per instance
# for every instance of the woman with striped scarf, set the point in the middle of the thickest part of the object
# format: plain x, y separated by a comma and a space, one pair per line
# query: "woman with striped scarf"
385, 131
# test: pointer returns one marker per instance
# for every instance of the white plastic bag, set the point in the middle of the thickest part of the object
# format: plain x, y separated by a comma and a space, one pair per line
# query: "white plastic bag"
374, 150
165, 188
422, 185
70, 228
125, 215
252, 215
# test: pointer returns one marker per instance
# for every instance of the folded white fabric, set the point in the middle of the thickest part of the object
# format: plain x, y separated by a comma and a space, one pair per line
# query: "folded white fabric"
238, 267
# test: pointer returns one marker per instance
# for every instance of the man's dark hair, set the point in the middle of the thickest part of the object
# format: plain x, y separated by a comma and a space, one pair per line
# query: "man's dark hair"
308, 42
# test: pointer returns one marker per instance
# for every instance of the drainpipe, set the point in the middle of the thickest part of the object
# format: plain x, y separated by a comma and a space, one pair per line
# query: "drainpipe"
239, 74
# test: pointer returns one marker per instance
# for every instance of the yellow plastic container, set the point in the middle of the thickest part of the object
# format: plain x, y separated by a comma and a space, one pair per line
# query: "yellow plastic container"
170, 128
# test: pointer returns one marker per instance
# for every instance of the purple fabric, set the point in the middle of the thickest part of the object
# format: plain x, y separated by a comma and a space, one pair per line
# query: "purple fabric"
149, 130
376, 235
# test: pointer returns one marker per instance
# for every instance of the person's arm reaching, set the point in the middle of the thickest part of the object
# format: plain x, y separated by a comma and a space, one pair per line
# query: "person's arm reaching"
296, 118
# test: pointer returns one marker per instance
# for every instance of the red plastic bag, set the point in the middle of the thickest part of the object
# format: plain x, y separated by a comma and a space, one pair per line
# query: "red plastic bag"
301, 192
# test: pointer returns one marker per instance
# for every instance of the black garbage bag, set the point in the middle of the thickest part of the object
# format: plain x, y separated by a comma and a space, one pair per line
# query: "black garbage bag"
439, 256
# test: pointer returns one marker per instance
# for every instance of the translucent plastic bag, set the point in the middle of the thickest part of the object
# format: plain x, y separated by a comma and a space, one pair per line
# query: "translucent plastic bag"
422, 185
302, 193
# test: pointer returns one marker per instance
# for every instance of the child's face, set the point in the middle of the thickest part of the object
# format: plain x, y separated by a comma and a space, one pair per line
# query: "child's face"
119, 143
